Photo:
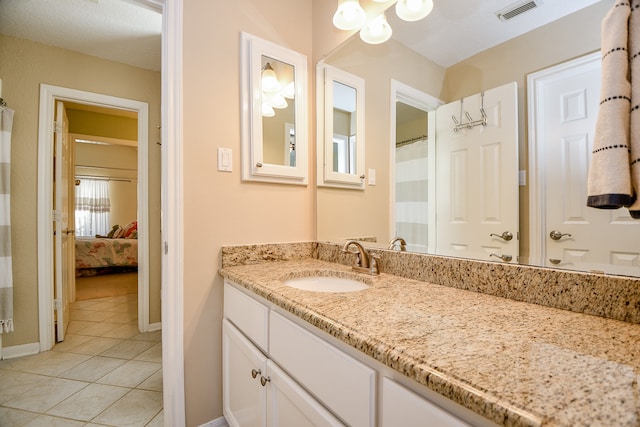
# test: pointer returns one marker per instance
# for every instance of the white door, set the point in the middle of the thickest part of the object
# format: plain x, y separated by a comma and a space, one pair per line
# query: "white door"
477, 177
576, 236
243, 365
288, 404
63, 217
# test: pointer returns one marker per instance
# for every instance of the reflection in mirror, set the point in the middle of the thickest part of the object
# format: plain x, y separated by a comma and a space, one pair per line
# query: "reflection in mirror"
278, 112
340, 128
372, 214
344, 128
274, 112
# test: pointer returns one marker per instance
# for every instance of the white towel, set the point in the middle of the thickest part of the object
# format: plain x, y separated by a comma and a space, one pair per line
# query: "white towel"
609, 185
634, 134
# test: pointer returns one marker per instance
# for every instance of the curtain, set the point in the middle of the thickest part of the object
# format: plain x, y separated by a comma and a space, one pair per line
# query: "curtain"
92, 207
411, 195
6, 271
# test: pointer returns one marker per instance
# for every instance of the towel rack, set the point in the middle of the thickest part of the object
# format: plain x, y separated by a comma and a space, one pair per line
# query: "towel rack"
470, 124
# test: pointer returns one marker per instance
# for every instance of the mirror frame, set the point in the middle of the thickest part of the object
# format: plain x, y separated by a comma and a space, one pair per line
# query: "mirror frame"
326, 76
252, 49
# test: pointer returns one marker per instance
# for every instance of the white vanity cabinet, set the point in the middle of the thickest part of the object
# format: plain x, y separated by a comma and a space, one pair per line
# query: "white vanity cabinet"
256, 392
402, 407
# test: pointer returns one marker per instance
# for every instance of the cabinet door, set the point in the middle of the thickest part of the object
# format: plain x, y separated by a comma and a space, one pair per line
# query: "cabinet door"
244, 399
402, 407
290, 405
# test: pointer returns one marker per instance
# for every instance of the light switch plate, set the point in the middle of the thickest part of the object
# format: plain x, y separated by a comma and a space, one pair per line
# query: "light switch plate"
224, 159
372, 176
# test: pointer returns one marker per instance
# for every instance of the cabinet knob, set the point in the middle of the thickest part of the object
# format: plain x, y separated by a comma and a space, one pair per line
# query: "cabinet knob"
255, 373
264, 380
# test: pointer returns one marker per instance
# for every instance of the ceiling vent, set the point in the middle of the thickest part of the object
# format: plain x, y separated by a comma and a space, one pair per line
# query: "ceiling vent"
517, 9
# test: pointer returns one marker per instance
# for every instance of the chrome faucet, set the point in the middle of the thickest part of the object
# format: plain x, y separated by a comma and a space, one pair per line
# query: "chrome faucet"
401, 241
365, 263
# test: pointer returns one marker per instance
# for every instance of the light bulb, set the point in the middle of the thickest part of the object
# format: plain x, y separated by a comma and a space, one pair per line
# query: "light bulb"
349, 16
278, 101
413, 10
267, 110
269, 79
376, 31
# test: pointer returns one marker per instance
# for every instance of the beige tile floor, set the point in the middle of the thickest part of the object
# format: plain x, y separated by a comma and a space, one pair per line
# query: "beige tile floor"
105, 373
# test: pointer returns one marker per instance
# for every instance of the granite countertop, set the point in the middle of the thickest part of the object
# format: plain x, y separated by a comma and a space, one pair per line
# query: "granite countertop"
513, 362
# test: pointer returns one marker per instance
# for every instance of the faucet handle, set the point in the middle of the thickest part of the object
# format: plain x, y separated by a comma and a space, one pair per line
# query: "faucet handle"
373, 264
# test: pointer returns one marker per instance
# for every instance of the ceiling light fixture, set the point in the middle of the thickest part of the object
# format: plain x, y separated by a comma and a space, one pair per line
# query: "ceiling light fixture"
413, 10
351, 16
376, 31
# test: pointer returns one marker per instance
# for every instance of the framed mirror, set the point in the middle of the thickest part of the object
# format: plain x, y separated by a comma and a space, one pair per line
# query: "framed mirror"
341, 135
274, 112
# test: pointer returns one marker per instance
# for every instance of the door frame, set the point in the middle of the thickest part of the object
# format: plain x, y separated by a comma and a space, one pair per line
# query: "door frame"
425, 102
48, 95
535, 100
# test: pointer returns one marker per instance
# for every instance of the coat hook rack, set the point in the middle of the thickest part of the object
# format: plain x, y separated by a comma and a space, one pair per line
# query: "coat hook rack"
470, 124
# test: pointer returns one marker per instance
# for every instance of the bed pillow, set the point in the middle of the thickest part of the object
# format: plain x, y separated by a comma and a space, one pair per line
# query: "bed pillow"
113, 231
130, 230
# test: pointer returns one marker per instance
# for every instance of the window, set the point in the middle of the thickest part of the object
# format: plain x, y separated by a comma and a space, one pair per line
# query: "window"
92, 207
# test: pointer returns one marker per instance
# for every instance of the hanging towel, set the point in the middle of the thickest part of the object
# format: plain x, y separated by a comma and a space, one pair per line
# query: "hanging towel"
634, 134
6, 272
609, 184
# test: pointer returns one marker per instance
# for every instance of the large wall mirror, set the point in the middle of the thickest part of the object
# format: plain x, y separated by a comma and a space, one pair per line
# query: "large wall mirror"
274, 112
373, 215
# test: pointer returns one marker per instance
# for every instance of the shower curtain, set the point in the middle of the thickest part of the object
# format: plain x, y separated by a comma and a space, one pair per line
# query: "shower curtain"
411, 195
6, 273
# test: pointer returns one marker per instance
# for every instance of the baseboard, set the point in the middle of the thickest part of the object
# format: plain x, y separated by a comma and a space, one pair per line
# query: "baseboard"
155, 326
20, 350
218, 422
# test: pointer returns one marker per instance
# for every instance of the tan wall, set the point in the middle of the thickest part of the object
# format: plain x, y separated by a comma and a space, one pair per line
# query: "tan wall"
24, 66
220, 209
557, 42
377, 65
107, 125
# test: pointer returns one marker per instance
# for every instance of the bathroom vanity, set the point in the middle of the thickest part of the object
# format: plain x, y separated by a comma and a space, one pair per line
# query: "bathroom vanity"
407, 352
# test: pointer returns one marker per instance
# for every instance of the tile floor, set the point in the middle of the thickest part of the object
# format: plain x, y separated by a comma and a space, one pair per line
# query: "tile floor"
105, 373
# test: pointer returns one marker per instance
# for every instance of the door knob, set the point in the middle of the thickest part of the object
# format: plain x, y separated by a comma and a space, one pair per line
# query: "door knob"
255, 373
506, 236
556, 235
505, 258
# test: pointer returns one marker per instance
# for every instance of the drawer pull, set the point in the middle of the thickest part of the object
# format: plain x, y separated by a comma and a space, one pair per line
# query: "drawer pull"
264, 380
255, 373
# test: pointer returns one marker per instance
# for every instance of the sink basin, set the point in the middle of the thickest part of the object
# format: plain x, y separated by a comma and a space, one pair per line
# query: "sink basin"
326, 284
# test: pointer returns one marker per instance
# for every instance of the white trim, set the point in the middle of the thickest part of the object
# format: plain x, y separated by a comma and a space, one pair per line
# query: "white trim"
172, 218
154, 326
423, 101
218, 422
20, 350
537, 199
48, 95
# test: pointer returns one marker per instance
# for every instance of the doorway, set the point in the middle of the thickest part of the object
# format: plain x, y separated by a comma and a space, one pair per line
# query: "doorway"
46, 267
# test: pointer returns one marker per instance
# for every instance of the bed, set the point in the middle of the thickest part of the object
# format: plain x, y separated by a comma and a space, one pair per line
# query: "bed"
103, 255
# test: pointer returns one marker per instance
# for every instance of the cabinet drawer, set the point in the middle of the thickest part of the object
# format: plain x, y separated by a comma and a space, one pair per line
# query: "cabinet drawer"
345, 385
251, 317
402, 407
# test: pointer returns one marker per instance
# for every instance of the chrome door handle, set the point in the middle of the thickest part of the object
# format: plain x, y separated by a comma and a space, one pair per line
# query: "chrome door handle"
556, 235
505, 258
506, 236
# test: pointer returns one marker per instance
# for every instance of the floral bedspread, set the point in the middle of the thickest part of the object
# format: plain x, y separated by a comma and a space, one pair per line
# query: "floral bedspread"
103, 252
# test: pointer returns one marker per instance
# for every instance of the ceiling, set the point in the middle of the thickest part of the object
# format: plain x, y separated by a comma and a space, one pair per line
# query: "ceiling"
129, 31
126, 31
458, 29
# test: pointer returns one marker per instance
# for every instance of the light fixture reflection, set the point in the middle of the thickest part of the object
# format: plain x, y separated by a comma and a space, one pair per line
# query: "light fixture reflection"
376, 31
267, 110
413, 10
349, 16
289, 91
269, 79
